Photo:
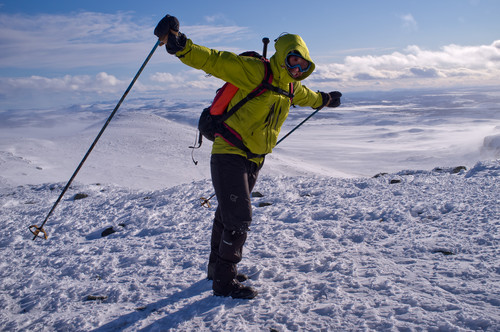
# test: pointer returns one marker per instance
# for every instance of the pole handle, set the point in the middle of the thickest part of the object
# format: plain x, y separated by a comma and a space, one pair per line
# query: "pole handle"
164, 40
265, 40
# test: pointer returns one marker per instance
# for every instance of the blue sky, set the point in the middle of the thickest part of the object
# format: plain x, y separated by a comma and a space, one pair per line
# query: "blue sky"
72, 51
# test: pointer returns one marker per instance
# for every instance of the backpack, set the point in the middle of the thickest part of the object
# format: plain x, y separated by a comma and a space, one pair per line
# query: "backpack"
212, 120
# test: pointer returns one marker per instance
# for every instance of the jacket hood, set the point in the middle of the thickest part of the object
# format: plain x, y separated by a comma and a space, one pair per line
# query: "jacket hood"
283, 46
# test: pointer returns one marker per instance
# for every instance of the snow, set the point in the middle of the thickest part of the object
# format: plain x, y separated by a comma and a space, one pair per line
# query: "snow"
331, 247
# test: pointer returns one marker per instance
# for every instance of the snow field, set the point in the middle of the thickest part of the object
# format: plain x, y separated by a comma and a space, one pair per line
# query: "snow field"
328, 253
331, 247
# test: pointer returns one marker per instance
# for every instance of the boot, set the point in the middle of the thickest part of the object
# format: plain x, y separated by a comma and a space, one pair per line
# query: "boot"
210, 275
235, 290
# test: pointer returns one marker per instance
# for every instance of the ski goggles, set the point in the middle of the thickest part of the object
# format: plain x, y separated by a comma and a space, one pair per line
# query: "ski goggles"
301, 67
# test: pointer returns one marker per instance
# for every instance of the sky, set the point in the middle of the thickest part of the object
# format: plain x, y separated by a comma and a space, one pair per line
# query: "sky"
56, 53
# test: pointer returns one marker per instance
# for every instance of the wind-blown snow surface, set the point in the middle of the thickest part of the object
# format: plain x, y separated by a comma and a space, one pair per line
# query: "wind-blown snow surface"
337, 249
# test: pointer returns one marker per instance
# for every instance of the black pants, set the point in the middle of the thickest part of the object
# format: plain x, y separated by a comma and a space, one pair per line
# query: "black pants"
233, 178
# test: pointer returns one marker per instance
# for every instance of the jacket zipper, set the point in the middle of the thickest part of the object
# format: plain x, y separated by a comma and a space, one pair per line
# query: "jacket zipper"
269, 124
277, 120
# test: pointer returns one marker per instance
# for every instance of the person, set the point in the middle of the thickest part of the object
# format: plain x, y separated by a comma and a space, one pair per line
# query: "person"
234, 171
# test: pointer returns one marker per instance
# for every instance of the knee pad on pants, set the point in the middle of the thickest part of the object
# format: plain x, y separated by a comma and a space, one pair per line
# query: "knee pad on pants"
231, 246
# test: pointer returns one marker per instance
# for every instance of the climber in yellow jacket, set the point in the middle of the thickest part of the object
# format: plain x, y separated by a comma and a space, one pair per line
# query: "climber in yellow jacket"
258, 123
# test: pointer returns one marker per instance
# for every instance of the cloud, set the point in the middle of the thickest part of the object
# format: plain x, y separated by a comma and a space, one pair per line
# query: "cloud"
216, 17
88, 39
99, 43
408, 22
425, 72
164, 78
215, 34
39, 91
187, 80
95, 44
451, 65
70, 41
100, 83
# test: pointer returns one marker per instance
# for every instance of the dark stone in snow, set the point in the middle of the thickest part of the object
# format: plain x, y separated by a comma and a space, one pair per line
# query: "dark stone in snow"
108, 231
444, 252
379, 175
450, 170
96, 298
80, 196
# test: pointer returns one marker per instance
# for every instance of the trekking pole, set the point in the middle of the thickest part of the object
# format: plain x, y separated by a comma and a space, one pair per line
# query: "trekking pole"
37, 230
206, 201
297, 126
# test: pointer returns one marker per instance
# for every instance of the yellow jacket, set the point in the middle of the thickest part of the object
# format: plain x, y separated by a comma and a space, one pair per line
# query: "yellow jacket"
258, 121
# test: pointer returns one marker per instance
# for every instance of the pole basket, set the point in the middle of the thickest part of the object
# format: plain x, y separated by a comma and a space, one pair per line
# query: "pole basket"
38, 232
205, 202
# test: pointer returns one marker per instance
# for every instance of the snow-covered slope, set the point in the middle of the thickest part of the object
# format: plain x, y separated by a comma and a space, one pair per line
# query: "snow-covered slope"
331, 247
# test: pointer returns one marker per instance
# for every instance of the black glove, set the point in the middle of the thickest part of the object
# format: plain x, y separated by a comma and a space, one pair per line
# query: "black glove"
331, 99
176, 41
165, 25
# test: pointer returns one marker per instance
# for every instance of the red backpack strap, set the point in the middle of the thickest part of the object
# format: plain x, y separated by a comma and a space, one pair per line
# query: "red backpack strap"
268, 77
222, 98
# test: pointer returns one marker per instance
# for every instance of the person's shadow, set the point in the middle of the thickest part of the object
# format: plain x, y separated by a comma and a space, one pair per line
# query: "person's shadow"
173, 319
